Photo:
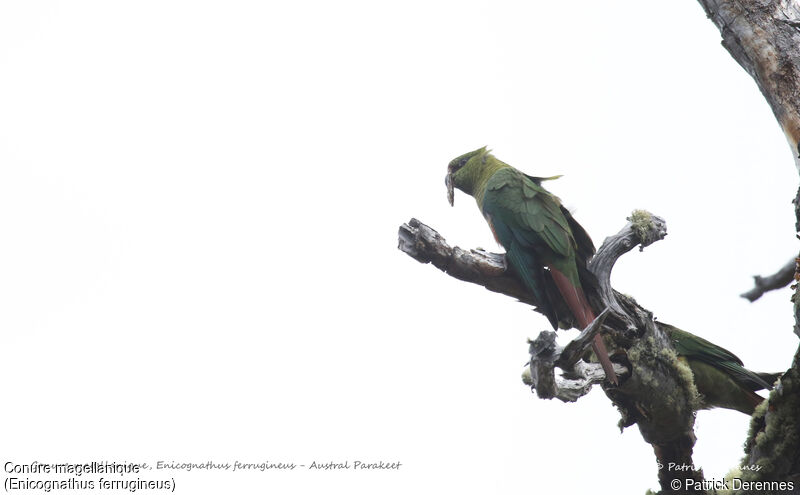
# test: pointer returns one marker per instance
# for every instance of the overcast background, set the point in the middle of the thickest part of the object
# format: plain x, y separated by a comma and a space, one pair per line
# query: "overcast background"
199, 204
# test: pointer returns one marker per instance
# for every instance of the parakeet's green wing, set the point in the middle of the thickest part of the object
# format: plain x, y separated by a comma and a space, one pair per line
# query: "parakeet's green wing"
532, 212
530, 224
585, 246
585, 250
584, 242
693, 347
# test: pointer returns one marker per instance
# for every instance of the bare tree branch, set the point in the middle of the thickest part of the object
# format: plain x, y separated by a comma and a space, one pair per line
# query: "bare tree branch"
578, 376
475, 266
777, 280
578, 346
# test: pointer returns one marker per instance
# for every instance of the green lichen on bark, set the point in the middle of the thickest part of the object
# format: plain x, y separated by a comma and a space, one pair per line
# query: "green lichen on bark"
773, 442
685, 375
648, 356
642, 223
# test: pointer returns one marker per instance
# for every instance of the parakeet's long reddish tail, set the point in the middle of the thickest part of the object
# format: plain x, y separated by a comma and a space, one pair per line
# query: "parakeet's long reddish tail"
579, 305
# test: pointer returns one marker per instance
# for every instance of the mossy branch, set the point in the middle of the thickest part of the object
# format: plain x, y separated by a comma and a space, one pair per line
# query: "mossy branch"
654, 393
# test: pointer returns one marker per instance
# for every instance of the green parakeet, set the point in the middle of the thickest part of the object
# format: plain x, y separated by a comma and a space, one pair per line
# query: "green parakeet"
545, 246
719, 376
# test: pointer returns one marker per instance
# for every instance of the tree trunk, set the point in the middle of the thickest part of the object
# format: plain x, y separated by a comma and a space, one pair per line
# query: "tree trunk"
764, 38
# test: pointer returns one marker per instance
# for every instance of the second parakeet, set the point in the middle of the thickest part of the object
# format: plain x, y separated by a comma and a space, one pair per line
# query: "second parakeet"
719, 376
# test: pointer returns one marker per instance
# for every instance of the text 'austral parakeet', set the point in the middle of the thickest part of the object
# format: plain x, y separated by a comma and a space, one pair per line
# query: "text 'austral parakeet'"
544, 245
719, 376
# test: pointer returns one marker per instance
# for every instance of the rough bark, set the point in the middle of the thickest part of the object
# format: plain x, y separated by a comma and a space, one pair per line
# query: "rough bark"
764, 38
773, 444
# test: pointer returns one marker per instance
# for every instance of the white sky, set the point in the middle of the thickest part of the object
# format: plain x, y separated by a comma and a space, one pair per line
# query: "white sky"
199, 204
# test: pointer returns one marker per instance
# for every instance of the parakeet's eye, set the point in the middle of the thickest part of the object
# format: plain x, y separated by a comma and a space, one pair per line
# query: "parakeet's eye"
457, 163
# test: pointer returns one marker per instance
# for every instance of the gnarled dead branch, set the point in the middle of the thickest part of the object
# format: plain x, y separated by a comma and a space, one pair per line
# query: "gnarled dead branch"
653, 393
777, 280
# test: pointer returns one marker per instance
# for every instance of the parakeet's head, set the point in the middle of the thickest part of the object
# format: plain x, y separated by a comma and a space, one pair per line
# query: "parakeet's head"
463, 172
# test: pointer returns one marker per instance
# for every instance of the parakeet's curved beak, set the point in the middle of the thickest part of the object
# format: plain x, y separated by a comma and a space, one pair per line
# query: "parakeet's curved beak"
448, 181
